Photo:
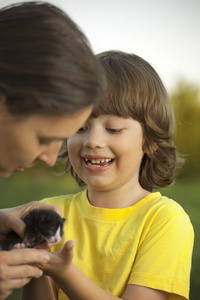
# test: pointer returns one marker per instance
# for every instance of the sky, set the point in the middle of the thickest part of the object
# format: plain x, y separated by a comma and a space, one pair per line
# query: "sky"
166, 33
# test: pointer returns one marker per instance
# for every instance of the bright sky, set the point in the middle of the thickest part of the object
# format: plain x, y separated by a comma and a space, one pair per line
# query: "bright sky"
164, 32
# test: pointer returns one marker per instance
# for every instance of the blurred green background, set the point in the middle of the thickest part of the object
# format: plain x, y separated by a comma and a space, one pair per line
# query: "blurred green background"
40, 181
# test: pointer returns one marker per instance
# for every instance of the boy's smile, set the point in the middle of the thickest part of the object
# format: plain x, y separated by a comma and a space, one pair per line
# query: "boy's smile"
97, 164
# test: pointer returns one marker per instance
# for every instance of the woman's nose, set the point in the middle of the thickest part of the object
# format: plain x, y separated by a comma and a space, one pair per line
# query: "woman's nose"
50, 154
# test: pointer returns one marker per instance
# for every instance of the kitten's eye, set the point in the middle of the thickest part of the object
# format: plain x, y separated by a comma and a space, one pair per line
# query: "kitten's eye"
114, 130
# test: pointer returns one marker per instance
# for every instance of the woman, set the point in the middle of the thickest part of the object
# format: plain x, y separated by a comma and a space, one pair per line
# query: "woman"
49, 82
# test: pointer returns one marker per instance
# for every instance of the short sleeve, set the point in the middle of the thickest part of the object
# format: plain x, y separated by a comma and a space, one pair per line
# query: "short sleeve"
163, 259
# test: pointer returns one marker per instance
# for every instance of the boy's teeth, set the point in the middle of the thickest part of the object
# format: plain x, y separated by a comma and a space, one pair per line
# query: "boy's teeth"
97, 161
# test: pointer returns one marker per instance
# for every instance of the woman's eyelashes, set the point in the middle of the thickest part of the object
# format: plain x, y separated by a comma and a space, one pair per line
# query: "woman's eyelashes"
82, 129
44, 141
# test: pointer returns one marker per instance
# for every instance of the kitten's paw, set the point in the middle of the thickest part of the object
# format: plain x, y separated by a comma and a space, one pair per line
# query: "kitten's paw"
19, 246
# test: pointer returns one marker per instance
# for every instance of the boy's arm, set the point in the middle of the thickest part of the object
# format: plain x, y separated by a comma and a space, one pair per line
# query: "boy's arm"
40, 289
78, 287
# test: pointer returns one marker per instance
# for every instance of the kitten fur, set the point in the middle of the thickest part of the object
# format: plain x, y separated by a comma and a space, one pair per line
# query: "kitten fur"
42, 225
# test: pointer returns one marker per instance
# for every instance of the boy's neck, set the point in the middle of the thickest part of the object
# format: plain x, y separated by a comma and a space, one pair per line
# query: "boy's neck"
115, 199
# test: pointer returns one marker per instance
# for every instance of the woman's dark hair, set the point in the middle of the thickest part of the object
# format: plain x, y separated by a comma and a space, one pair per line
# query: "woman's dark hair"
134, 90
46, 63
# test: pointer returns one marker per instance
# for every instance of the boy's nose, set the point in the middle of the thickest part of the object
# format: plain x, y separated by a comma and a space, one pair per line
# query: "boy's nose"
94, 140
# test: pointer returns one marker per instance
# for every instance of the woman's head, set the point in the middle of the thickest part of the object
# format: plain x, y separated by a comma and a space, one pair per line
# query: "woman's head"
134, 90
49, 82
24, 141
46, 64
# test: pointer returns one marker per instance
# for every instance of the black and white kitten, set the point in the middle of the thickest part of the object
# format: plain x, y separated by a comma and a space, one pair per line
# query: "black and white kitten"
42, 225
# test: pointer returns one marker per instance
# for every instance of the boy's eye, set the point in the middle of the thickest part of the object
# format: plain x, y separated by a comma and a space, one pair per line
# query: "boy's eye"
114, 130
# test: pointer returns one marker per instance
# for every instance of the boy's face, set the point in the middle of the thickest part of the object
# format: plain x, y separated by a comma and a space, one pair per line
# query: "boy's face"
107, 152
36, 138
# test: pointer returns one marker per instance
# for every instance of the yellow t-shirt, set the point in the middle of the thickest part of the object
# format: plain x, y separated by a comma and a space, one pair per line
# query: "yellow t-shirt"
148, 244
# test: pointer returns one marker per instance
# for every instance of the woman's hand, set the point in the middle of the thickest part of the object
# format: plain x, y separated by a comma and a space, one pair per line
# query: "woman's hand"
18, 267
11, 218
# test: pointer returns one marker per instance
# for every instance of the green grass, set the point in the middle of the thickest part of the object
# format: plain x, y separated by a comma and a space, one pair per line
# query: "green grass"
33, 185
39, 183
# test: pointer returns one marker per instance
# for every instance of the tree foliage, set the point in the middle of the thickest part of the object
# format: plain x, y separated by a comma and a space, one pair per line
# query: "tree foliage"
186, 103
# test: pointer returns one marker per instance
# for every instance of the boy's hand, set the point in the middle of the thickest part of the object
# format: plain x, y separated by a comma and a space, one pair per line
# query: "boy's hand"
59, 261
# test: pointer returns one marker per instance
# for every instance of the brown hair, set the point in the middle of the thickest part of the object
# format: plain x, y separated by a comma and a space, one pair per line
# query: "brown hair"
46, 63
134, 90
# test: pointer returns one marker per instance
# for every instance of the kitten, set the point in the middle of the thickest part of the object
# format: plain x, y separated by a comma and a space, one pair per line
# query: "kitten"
42, 225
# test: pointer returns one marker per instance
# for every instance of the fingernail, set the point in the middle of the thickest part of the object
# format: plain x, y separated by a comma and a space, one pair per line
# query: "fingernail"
46, 258
40, 273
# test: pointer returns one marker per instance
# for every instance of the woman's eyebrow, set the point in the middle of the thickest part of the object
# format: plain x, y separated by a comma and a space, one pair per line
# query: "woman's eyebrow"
53, 138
